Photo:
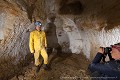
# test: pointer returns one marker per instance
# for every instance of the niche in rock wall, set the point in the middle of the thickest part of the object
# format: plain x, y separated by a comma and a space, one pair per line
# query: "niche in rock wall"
70, 7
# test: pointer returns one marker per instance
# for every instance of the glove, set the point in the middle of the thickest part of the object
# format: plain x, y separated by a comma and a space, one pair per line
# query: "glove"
32, 55
45, 48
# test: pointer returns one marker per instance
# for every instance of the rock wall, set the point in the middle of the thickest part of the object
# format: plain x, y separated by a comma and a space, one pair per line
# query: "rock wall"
82, 31
1, 25
93, 39
89, 29
14, 28
14, 36
73, 34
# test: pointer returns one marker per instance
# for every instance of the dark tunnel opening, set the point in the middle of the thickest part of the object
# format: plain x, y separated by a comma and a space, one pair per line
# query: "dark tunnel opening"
74, 7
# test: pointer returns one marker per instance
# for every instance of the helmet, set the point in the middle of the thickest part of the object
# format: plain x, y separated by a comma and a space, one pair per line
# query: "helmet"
38, 23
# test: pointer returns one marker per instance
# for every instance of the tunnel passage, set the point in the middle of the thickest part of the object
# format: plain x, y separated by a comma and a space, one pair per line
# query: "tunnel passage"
82, 25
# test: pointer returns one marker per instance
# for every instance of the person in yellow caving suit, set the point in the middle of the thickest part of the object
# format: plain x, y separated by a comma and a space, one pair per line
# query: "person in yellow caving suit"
37, 45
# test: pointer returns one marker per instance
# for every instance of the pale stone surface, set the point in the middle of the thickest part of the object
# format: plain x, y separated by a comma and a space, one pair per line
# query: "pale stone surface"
90, 30
93, 39
73, 34
14, 32
2, 19
80, 33
98, 25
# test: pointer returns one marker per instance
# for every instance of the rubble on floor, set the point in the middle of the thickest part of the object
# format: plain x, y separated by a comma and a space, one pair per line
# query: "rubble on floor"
62, 67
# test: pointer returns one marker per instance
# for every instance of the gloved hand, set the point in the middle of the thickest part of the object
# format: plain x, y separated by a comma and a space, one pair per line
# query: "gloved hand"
45, 48
101, 50
32, 55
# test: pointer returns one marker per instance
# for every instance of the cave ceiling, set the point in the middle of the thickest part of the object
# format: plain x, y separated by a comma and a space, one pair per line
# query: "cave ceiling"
102, 9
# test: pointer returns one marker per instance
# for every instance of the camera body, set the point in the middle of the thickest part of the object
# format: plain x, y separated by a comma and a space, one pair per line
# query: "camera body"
107, 51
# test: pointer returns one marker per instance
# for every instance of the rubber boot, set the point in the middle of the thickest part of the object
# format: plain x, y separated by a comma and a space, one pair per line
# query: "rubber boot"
37, 68
45, 66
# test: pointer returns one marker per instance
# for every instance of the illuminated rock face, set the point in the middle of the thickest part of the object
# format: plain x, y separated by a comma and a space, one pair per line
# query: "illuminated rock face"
88, 40
14, 33
97, 24
93, 39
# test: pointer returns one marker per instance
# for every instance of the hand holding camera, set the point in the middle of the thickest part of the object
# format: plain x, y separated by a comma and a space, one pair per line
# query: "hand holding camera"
101, 50
105, 51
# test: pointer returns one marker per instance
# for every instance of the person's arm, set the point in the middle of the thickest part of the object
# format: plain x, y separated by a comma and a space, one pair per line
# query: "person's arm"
98, 56
31, 43
101, 67
45, 41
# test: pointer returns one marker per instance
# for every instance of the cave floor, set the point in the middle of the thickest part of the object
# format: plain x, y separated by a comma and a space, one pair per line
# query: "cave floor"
62, 67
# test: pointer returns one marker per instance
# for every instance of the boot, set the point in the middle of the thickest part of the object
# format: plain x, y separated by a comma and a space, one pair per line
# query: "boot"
37, 68
45, 66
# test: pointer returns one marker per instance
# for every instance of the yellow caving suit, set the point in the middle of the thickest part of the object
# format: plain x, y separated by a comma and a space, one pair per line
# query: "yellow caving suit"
37, 46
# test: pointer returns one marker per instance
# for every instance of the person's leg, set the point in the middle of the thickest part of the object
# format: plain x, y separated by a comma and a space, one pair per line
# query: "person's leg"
37, 61
45, 57
59, 50
49, 50
36, 57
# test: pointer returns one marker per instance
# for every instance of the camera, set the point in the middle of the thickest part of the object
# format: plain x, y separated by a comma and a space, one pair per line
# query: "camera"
107, 51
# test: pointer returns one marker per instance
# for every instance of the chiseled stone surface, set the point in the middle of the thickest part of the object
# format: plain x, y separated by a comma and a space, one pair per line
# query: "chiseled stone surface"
97, 25
14, 31
93, 39
76, 33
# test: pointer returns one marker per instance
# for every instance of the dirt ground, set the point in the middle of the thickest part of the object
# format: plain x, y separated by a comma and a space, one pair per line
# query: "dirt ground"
62, 67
